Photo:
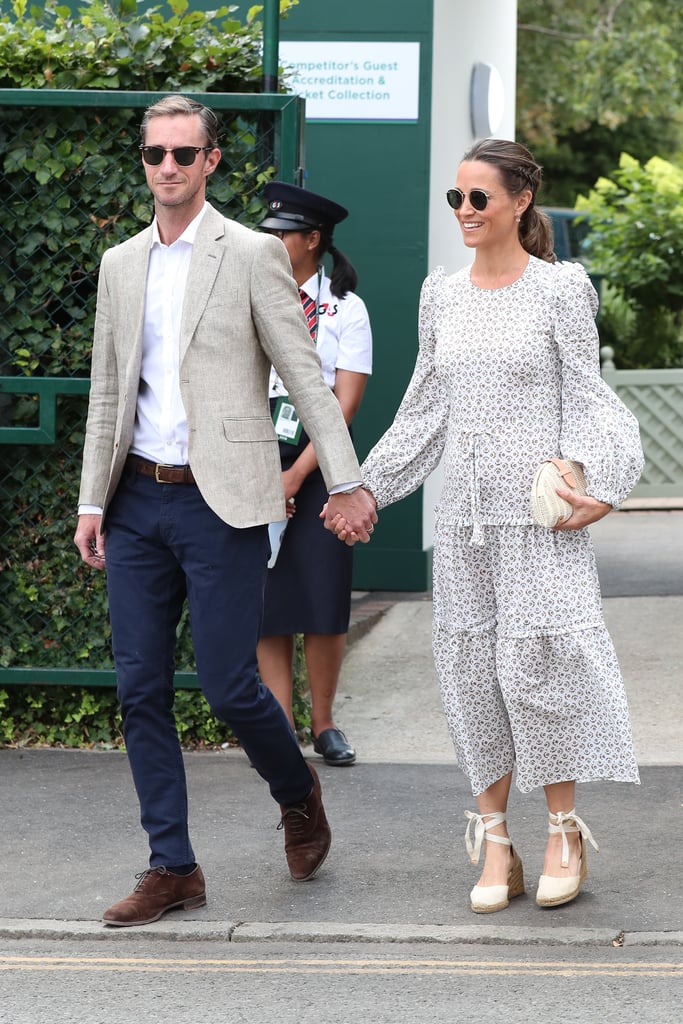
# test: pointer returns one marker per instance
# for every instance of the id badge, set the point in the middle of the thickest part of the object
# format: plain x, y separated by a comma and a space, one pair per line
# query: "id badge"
288, 426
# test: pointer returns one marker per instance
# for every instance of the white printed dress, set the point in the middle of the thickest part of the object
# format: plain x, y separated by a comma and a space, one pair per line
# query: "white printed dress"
504, 379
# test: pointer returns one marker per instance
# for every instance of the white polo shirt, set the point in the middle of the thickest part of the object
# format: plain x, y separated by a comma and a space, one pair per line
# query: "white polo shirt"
343, 338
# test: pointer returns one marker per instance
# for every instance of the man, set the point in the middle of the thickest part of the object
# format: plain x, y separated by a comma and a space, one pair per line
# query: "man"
181, 474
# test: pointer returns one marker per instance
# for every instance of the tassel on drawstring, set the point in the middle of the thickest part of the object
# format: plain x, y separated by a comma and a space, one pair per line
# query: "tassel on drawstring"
477, 540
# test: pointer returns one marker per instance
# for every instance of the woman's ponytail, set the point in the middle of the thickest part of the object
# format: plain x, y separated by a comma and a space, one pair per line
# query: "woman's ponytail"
536, 234
343, 278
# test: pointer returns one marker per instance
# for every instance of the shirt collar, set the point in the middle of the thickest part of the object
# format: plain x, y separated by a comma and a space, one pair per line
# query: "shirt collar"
188, 234
313, 284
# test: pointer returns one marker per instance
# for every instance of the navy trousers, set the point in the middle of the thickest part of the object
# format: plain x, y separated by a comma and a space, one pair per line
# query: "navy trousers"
163, 545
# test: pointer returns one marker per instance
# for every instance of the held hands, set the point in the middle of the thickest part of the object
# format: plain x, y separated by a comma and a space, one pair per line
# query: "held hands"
89, 540
351, 517
585, 510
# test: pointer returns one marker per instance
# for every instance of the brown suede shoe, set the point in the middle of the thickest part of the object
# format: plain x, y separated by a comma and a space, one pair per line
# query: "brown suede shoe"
157, 891
307, 834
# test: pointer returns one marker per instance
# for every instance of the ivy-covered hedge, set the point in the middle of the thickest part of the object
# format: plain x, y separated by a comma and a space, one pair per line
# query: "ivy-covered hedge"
72, 187
69, 716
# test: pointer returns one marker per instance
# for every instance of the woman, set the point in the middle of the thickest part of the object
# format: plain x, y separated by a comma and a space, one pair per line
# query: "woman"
309, 587
508, 376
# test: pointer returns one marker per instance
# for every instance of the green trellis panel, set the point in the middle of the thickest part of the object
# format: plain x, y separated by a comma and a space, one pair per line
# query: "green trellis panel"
656, 399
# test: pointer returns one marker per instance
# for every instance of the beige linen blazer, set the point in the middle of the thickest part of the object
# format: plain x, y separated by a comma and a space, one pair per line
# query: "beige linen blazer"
241, 313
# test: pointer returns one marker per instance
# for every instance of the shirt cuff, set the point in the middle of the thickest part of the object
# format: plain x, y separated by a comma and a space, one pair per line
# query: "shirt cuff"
345, 488
89, 510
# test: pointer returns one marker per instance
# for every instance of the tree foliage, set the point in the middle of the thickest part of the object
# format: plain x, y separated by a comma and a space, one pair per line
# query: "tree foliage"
595, 77
600, 62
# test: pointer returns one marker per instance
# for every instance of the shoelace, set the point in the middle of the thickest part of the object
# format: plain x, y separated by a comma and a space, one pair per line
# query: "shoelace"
575, 825
161, 870
297, 823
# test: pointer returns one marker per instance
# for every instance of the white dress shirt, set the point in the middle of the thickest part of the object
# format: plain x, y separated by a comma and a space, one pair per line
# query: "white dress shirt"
160, 432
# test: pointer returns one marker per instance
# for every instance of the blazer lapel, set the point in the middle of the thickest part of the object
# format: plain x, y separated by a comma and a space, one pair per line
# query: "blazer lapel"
131, 270
207, 253
138, 260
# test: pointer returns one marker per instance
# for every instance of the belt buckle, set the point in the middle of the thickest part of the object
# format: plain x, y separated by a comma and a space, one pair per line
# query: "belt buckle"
157, 467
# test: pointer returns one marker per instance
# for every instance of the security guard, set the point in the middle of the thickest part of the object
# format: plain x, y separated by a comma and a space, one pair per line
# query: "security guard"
309, 585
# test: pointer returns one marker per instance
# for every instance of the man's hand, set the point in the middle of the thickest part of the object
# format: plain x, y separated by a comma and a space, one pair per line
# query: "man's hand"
89, 540
585, 510
351, 517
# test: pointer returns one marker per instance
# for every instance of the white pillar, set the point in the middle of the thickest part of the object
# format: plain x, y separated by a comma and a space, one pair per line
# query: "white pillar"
466, 33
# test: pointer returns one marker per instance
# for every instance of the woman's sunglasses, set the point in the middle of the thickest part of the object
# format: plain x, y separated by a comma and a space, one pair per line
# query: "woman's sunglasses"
184, 156
478, 198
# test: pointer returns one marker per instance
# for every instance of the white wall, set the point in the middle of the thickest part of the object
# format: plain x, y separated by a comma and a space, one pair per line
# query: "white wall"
465, 32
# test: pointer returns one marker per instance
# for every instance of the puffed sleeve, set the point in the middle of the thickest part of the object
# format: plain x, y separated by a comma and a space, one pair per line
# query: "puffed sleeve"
411, 448
598, 430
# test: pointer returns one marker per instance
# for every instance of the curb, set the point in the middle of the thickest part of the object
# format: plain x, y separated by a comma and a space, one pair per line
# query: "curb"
368, 607
324, 931
366, 611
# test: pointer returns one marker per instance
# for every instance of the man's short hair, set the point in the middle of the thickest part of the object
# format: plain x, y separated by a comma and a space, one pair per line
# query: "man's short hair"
171, 106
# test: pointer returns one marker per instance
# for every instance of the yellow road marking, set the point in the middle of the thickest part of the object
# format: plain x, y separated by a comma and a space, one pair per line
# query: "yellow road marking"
149, 965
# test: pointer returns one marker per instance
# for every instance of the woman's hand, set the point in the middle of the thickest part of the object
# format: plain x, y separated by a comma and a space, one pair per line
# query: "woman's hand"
585, 510
291, 482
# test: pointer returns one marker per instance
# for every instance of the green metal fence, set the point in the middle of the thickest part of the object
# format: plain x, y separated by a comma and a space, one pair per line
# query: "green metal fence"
71, 187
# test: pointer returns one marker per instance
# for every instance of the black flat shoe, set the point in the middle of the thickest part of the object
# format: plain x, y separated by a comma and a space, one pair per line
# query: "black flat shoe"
334, 747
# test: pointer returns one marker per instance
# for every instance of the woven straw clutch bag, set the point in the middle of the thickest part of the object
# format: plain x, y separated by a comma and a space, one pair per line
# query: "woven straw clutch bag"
547, 507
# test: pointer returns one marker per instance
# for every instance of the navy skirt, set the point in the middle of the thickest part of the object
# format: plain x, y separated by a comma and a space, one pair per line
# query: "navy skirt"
308, 590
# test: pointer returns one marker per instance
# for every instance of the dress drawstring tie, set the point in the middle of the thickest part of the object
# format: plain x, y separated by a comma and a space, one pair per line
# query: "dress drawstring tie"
478, 539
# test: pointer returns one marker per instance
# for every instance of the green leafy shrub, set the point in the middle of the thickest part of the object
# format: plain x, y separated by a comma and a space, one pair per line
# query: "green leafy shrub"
71, 188
110, 45
636, 242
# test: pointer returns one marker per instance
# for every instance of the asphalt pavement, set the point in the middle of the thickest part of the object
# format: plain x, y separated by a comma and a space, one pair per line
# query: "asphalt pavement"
71, 843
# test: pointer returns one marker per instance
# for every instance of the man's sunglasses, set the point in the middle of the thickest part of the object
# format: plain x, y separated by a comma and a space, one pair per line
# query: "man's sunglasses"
478, 198
184, 156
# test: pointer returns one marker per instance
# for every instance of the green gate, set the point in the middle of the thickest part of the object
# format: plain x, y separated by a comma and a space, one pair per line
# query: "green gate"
53, 622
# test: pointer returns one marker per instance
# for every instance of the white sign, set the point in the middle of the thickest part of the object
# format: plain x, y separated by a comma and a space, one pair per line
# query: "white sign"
355, 81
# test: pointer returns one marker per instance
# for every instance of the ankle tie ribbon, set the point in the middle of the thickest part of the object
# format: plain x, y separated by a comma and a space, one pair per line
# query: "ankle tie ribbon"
481, 827
575, 824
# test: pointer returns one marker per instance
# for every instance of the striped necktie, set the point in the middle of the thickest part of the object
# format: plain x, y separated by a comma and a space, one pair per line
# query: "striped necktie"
310, 311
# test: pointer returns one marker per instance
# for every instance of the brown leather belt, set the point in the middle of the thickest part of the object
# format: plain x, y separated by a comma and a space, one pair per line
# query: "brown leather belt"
162, 473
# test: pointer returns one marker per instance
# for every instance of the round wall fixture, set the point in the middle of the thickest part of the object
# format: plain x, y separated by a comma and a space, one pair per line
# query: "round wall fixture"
487, 99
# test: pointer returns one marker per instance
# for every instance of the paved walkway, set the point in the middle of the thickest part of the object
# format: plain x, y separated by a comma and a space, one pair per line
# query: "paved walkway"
398, 868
